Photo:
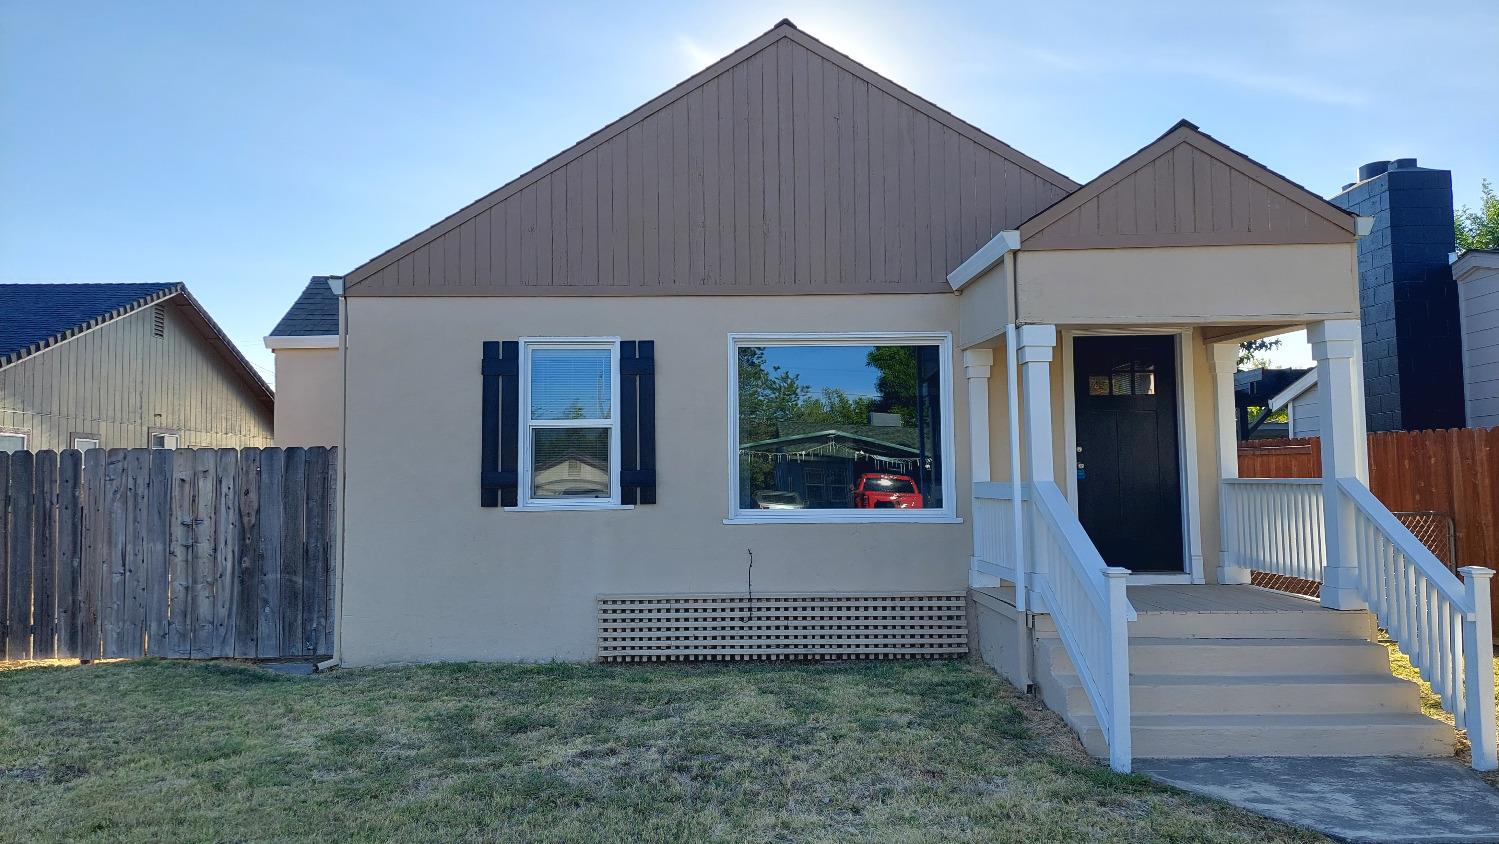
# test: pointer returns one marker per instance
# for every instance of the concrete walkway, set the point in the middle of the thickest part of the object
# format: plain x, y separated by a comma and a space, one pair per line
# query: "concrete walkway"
1370, 799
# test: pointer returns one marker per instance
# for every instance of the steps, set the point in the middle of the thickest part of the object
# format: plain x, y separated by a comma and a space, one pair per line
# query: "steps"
1298, 682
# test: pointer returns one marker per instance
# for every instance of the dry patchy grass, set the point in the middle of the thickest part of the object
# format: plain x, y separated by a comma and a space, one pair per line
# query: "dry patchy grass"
158, 751
1431, 705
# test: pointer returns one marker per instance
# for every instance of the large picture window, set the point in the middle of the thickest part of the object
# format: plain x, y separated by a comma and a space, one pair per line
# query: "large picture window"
835, 428
570, 442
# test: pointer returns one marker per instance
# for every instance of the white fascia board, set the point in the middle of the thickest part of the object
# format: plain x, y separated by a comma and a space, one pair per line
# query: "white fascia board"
1299, 386
308, 341
984, 259
1467, 264
336, 284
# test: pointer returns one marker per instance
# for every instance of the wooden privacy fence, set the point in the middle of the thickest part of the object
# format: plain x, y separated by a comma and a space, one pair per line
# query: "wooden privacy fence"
186, 553
1416, 473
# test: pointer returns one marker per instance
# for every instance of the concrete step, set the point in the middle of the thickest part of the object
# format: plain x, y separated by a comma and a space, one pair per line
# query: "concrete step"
1310, 624
1294, 694
1342, 735
1249, 657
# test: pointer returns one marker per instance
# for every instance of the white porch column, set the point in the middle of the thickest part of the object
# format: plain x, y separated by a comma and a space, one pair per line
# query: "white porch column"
977, 365
1340, 391
1036, 345
1225, 359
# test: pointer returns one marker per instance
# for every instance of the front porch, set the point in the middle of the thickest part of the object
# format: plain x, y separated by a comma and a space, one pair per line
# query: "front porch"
1145, 661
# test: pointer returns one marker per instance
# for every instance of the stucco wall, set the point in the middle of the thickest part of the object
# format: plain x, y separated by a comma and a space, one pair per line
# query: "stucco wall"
309, 397
1229, 284
428, 574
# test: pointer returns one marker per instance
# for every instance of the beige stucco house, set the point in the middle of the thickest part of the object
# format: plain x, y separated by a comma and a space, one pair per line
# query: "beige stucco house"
838, 374
309, 376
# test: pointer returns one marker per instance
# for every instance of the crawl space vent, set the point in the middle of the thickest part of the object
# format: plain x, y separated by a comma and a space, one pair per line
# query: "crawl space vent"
661, 628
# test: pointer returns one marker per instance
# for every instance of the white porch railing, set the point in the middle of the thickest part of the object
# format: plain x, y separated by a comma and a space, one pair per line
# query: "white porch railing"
1278, 525
1443, 624
1089, 608
994, 531
1085, 597
1275, 525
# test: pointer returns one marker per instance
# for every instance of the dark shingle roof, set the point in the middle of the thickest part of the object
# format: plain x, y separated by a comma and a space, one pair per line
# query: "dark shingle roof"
315, 313
31, 315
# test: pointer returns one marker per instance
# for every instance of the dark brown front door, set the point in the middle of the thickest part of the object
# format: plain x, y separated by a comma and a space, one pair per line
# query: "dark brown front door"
1128, 465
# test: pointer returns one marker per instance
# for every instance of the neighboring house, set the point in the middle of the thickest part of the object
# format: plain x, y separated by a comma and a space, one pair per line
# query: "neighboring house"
789, 255
309, 380
1476, 272
122, 366
1413, 370
1254, 391
1299, 401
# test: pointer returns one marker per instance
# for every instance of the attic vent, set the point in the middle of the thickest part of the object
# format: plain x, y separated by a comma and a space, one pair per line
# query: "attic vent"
159, 320
654, 628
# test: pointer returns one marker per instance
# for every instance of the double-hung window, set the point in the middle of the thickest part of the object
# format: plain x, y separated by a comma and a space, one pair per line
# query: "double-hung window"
570, 423
841, 428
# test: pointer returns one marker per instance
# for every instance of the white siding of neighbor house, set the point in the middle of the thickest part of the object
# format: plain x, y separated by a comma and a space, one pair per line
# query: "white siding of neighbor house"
1305, 411
1478, 298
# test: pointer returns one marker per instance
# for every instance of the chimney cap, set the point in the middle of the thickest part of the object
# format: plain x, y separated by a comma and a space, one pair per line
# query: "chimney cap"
1372, 169
1403, 164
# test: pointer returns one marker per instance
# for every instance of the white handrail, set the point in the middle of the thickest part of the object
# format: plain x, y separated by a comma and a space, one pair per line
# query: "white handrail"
1087, 601
1275, 525
1443, 624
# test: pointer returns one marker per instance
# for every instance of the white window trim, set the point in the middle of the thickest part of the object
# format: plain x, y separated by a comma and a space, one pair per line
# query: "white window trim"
526, 469
947, 514
23, 433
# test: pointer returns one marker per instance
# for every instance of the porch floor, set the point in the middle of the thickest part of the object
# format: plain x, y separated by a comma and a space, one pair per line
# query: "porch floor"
1193, 598
1212, 597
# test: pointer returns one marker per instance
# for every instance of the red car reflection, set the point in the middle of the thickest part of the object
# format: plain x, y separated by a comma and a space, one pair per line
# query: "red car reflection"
876, 490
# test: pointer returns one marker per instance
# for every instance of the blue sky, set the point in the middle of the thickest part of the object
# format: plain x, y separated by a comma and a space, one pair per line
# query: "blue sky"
242, 147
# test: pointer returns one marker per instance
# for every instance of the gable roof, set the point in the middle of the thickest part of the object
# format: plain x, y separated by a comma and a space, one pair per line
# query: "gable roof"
1300, 385
314, 314
38, 313
40, 316
711, 189
1187, 189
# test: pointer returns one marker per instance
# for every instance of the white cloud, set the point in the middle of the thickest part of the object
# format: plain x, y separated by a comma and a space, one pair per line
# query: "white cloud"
697, 56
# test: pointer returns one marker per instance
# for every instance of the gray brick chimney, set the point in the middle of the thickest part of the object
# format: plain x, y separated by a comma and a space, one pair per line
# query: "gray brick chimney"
1407, 299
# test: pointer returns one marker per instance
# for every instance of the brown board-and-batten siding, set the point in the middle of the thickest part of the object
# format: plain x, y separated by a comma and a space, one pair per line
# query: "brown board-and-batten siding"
784, 168
121, 379
1187, 189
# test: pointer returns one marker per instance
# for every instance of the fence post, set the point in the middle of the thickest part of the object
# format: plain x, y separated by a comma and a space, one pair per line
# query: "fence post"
1478, 663
1120, 749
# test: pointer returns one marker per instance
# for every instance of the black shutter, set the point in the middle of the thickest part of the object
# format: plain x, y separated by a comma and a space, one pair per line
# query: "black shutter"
499, 423
637, 434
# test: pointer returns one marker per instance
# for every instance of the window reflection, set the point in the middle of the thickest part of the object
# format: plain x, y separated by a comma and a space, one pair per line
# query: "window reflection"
838, 427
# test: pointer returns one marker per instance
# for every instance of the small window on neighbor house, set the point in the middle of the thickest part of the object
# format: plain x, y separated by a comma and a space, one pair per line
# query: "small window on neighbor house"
165, 440
570, 444
12, 441
84, 442
159, 320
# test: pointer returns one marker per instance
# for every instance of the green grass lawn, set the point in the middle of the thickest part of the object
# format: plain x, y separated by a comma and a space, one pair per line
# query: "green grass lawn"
158, 751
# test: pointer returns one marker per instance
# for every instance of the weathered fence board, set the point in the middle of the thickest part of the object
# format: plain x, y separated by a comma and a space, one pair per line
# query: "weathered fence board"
186, 553
44, 556
18, 566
